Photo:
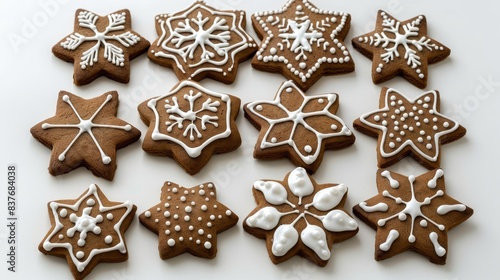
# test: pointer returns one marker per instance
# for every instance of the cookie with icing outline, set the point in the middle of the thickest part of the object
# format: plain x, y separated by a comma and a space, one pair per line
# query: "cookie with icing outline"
298, 216
85, 132
400, 48
101, 46
189, 124
411, 127
298, 127
412, 213
302, 42
188, 220
88, 230
202, 42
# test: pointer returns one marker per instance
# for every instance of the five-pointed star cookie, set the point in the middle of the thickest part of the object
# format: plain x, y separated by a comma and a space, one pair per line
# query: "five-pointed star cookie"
202, 42
297, 216
400, 48
88, 230
191, 123
85, 132
409, 127
188, 220
298, 127
412, 213
302, 42
101, 46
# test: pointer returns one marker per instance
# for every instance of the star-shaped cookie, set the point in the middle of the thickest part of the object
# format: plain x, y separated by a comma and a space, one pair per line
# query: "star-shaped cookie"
409, 127
412, 213
400, 48
88, 230
298, 216
191, 123
298, 127
188, 220
302, 42
101, 46
85, 132
201, 42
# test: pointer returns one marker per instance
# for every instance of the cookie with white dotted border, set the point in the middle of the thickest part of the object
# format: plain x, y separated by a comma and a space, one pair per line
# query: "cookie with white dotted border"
188, 220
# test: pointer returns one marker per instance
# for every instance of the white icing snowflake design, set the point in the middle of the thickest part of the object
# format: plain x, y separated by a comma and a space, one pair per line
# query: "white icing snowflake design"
286, 236
112, 53
192, 119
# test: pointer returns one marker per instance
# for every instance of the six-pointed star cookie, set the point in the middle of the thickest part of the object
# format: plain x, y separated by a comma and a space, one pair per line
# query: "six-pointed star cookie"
190, 124
298, 127
88, 230
85, 132
412, 213
302, 42
400, 48
188, 220
101, 46
409, 127
297, 216
202, 42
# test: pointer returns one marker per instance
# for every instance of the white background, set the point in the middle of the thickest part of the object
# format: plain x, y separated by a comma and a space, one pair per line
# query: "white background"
469, 82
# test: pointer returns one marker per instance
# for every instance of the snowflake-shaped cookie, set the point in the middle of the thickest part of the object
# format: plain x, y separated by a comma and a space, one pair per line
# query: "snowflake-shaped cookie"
400, 48
302, 42
409, 127
88, 230
101, 46
297, 216
298, 127
412, 213
190, 123
202, 42
188, 220
85, 132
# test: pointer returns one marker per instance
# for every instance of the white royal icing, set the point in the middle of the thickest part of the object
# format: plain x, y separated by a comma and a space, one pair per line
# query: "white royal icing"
440, 251
112, 53
86, 126
197, 116
393, 235
84, 224
309, 155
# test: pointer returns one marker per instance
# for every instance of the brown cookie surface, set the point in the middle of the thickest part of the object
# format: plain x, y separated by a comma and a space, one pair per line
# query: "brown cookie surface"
190, 124
298, 216
85, 132
201, 42
298, 127
412, 213
400, 48
412, 127
302, 42
101, 46
188, 220
88, 230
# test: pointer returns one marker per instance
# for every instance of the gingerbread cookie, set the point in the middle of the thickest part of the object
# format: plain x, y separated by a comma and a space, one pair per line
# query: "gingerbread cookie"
412, 213
202, 42
88, 230
400, 48
85, 132
190, 124
297, 216
188, 220
409, 127
101, 46
302, 42
298, 127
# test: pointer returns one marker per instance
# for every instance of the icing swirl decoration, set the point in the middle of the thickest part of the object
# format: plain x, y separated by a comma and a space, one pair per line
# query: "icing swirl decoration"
87, 230
300, 209
414, 214
302, 42
409, 127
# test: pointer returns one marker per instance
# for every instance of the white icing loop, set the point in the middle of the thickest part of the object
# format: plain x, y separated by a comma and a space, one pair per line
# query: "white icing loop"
300, 184
338, 221
266, 218
328, 198
274, 192
314, 237
285, 237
